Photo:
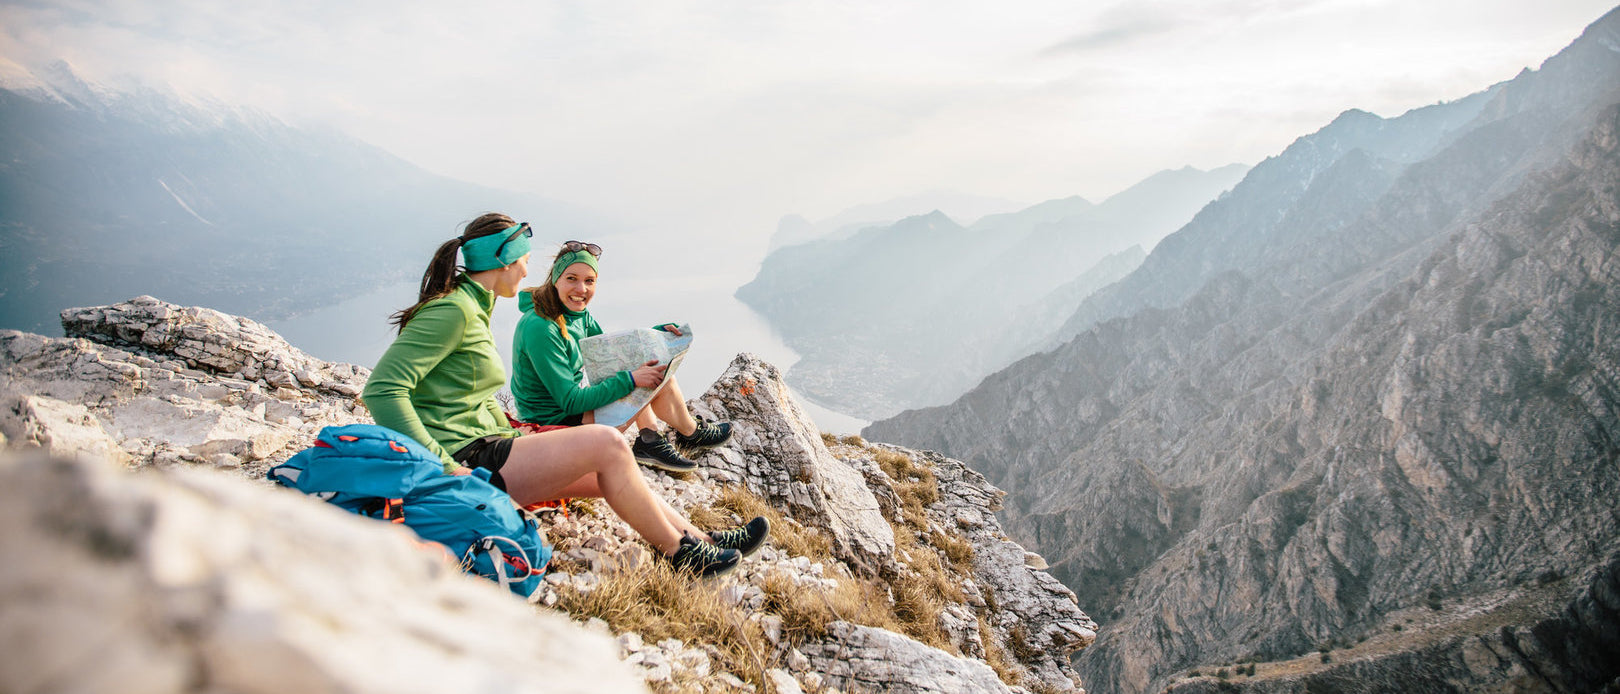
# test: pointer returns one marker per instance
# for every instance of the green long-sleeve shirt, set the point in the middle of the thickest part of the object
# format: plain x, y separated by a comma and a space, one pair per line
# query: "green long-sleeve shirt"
548, 372
437, 381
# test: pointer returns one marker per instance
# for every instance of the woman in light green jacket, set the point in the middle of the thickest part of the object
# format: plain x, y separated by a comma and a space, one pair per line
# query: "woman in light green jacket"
437, 382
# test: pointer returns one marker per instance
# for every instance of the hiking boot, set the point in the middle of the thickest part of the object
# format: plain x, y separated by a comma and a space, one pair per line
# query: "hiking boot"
746, 539
706, 434
702, 558
653, 450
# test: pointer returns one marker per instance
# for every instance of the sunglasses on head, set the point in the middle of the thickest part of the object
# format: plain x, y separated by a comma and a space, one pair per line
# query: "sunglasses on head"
571, 246
523, 229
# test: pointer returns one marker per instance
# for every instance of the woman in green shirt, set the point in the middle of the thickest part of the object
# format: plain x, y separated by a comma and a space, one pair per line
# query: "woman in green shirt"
437, 382
548, 376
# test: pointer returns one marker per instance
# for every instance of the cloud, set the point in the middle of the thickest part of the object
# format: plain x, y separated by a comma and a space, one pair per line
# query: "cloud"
1120, 24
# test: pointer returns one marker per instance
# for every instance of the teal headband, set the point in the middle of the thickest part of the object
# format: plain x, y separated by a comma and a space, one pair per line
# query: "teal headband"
566, 259
480, 254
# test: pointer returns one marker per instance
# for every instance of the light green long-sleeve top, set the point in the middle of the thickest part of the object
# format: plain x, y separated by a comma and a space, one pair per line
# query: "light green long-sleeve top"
548, 372
437, 382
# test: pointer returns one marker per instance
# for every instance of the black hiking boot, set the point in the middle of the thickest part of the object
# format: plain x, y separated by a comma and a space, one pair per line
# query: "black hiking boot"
702, 558
746, 539
706, 435
653, 450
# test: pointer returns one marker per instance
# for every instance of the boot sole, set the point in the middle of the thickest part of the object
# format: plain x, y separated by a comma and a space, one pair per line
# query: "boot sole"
666, 467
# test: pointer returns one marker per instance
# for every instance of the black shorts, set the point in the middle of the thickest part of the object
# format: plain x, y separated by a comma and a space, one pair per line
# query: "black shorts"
572, 420
490, 453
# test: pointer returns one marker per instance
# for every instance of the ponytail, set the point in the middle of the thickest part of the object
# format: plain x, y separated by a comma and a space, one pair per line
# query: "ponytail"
549, 305
443, 273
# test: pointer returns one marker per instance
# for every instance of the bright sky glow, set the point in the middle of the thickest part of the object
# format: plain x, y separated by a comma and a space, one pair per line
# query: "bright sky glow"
718, 117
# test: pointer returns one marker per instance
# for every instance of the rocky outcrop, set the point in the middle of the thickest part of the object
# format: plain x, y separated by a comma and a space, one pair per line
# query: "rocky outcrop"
165, 384
179, 392
218, 343
1412, 403
195, 581
778, 453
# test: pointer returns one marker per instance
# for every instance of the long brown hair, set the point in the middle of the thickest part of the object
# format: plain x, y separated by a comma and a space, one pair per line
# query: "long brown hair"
548, 303
443, 272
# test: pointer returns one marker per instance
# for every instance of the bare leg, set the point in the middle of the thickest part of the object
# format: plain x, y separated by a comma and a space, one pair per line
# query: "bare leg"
542, 466
670, 406
644, 419
588, 486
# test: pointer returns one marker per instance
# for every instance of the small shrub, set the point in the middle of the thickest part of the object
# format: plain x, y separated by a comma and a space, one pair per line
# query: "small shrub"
1222, 673
854, 440
828, 439
1433, 599
1327, 658
1549, 576
1195, 673
1397, 627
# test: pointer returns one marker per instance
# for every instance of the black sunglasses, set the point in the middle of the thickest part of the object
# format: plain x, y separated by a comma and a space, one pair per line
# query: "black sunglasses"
523, 228
571, 246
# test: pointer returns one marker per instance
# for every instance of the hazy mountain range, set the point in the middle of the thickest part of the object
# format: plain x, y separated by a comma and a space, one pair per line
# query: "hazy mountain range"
916, 312
1358, 422
795, 229
107, 194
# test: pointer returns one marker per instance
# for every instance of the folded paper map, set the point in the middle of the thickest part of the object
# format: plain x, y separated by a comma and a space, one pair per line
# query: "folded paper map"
627, 350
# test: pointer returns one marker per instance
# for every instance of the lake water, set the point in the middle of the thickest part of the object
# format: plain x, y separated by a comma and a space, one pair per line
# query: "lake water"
357, 331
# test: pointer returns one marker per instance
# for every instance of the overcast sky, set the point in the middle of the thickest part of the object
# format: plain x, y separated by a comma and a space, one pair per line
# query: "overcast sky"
723, 116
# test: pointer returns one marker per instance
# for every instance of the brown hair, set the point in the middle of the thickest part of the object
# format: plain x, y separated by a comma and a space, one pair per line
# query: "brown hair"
548, 303
443, 272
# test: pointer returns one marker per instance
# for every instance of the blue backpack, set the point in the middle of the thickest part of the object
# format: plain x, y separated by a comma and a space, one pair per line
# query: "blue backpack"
380, 473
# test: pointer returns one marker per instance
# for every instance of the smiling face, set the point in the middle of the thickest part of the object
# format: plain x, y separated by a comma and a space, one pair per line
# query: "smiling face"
576, 286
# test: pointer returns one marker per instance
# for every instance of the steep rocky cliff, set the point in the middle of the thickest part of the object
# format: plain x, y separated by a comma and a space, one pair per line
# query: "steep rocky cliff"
1396, 389
888, 569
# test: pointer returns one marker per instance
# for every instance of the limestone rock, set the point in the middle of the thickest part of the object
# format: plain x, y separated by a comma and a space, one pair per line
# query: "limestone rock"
778, 453
208, 339
127, 399
187, 581
859, 658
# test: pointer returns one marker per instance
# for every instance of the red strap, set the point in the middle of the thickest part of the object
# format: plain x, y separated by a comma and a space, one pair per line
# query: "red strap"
394, 510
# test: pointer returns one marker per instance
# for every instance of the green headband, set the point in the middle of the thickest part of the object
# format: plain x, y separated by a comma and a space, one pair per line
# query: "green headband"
480, 254
566, 259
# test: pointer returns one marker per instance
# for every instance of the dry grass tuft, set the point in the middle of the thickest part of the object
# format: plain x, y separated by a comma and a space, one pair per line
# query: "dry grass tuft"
957, 549
707, 518
1021, 648
805, 613
586, 506
787, 534
828, 439
659, 603
1006, 668
854, 440
914, 483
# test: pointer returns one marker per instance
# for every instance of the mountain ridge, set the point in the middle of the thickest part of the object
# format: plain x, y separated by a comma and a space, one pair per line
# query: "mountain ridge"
1206, 472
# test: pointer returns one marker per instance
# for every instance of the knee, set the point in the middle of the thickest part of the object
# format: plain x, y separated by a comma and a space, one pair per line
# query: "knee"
607, 442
